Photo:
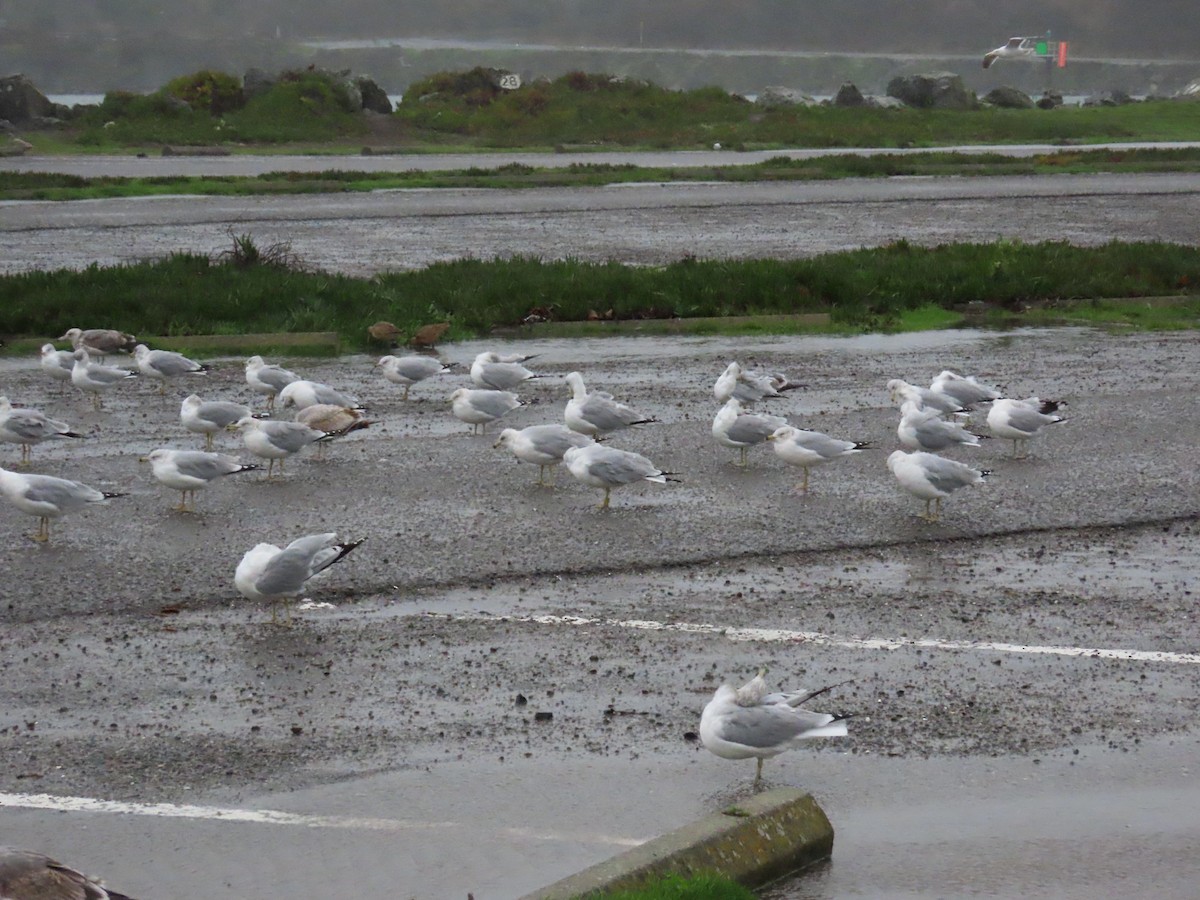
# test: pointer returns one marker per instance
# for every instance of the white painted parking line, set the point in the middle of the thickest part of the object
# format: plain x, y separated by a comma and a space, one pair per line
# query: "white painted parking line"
278, 817
783, 636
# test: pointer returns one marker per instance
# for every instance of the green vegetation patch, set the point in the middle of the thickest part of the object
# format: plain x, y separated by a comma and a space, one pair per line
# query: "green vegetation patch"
266, 289
675, 887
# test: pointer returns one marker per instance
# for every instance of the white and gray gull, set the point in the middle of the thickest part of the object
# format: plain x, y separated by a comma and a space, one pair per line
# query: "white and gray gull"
597, 413
542, 445
408, 370
94, 378
489, 370
187, 471
479, 407
740, 430
608, 467
270, 573
163, 365
932, 478
1021, 420
207, 417
27, 426
48, 497
268, 379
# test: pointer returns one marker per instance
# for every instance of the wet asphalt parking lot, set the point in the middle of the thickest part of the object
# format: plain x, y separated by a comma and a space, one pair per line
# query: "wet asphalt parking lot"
506, 684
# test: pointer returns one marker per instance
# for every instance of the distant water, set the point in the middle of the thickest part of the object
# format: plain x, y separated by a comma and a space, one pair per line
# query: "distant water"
76, 99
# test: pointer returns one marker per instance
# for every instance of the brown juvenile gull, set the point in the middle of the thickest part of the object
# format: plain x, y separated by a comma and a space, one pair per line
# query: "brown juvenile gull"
29, 875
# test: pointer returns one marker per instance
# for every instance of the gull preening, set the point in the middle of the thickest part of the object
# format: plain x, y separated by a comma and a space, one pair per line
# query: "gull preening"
740, 430
48, 497
408, 370
746, 386
925, 429
165, 364
26, 426
748, 723
275, 440
270, 573
302, 393
29, 875
93, 378
495, 372
1020, 420
268, 379
479, 407
608, 467
963, 388
597, 413
99, 341
932, 478
542, 445
806, 449
187, 471
207, 417
335, 421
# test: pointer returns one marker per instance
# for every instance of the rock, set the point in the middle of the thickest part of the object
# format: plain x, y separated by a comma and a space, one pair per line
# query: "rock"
1007, 97
774, 96
1050, 100
374, 98
1107, 98
256, 82
939, 90
849, 95
21, 102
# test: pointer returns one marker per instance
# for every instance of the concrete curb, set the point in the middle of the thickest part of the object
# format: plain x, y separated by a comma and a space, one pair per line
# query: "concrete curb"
755, 842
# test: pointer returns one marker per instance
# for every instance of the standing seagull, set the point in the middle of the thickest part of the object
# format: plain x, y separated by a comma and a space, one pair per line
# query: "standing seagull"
932, 478
187, 471
207, 417
27, 427
743, 724
408, 370
268, 379
598, 413
965, 389
164, 364
608, 467
99, 341
29, 875
268, 573
478, 408
48, 497
740, 431
490, 371
806, 449
925, 429
1020, 420
542, 445
275, 440
94, 377
900, 391
57, 363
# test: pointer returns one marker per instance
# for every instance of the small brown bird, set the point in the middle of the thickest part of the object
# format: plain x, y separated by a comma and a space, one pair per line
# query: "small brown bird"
385, 333
29, 875
428, 335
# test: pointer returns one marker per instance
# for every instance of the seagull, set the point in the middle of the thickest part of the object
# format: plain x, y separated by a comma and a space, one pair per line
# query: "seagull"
964, 389
207, 417
29, 875
489, 370
94, 377
25, 426
1017, 47
479, 407
268, 573
302, 393
99, 341
598, 413
275, 440
268, 379
749, 387
900, 391
542, 445
608, 467
164, 364
187, 471
741, 431
930, 477
1020, 420
806, 449
57, 363
333, 420
48, 497
743, 724
925, 429
408, 370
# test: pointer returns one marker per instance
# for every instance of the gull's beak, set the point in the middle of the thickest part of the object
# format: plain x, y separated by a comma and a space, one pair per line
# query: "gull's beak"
143, 459
770, 437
